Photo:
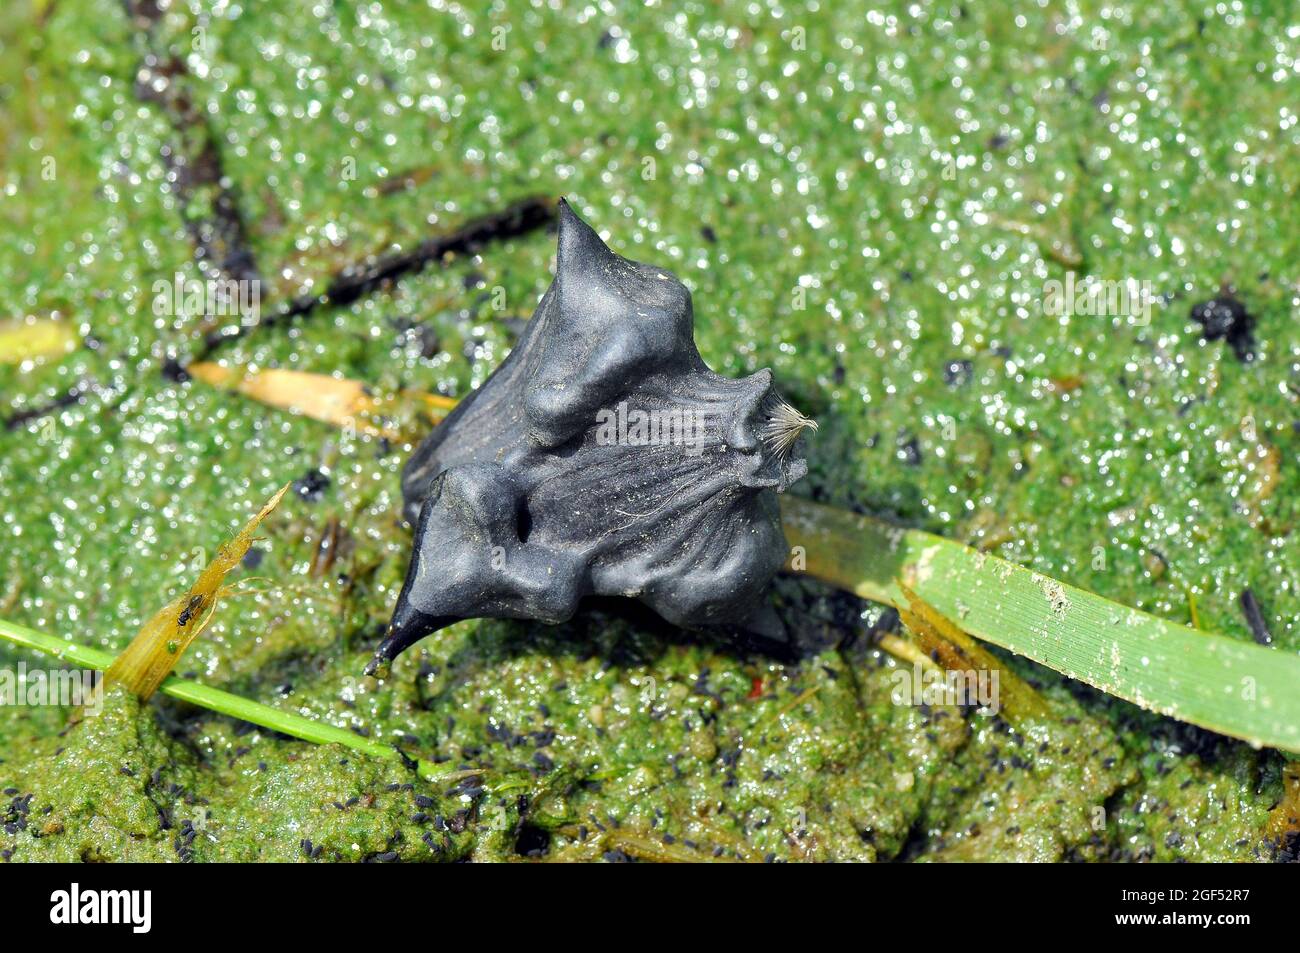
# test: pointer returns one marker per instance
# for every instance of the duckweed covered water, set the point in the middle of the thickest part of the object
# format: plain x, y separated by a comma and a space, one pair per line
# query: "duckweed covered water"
869, 199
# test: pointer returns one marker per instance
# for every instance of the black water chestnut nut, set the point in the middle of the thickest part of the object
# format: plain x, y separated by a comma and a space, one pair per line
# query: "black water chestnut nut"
601, 458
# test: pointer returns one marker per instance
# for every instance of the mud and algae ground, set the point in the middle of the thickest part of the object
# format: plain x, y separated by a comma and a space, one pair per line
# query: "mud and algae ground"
868, 199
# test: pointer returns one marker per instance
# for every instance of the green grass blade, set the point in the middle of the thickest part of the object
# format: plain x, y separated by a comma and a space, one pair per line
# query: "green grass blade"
1235, 688
214, 699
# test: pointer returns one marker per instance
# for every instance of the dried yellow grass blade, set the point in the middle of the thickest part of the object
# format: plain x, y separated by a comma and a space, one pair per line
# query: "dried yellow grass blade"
331, 400
161, 641
1285, 818
36, 338
905, 650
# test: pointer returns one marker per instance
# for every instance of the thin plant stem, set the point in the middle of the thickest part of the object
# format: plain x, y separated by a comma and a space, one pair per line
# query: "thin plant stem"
225, 703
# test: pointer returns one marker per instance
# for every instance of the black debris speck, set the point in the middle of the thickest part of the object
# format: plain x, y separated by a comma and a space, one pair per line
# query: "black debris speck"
311, 486
532, 841
173, 371
958, 373
1226, 317
909, 449
1255, 618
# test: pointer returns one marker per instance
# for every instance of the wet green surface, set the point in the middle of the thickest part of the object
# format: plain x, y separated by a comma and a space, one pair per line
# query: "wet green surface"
860, 198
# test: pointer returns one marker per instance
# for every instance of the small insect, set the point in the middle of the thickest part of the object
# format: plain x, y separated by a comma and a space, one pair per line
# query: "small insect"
191, 609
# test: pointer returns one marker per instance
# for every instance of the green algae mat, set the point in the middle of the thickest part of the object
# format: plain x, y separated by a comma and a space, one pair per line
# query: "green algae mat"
883, 203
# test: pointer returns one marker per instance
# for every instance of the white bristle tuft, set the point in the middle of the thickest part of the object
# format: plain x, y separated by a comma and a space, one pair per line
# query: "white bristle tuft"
783, 426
